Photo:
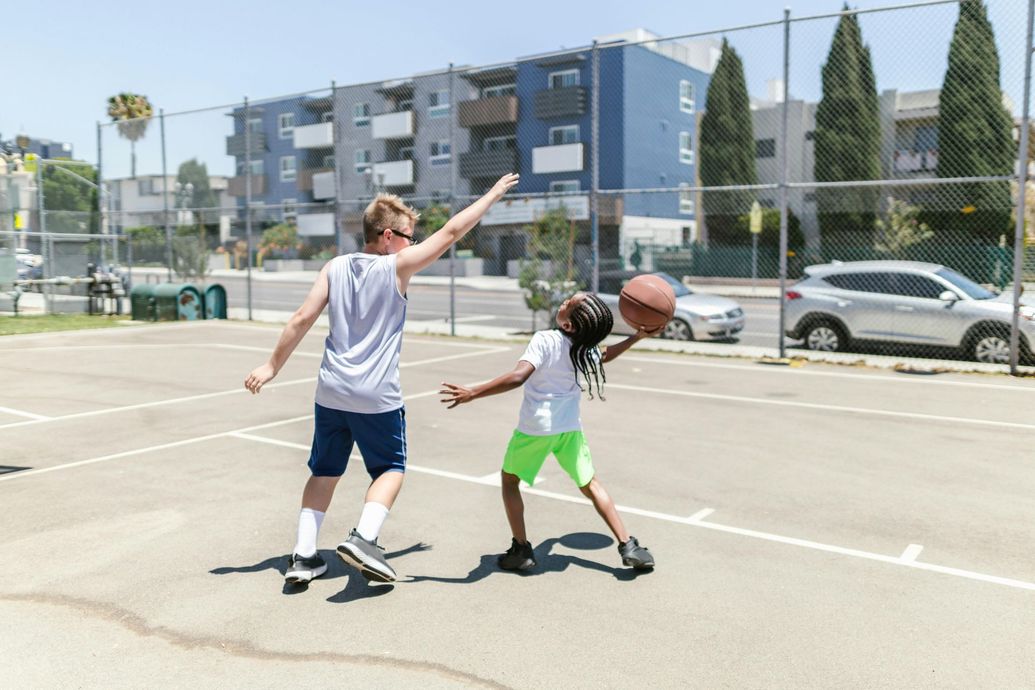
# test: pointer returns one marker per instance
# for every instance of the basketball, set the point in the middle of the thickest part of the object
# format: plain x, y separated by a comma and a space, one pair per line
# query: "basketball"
647, 302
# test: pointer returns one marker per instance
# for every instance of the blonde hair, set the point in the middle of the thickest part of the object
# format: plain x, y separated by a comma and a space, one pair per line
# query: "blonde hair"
386, 211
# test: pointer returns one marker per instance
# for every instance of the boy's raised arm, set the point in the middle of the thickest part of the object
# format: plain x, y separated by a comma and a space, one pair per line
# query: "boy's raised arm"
418, 257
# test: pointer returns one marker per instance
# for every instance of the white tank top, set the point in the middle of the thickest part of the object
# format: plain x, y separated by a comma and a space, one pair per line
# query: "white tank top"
360, 368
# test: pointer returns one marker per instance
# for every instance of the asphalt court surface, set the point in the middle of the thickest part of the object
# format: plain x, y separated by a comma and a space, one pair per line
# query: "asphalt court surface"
811, 525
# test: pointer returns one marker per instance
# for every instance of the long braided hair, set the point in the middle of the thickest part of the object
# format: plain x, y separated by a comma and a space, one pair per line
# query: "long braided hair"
591, 322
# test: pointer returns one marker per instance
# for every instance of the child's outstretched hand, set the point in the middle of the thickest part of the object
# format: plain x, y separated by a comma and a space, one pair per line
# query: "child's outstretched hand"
455, 395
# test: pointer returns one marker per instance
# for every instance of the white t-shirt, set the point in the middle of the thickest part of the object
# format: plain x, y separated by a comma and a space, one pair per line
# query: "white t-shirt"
551, 400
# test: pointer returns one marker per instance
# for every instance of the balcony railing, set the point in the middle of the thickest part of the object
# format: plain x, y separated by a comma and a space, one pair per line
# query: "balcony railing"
916, 161
392, 125
393, 173
555, 159
235, 144
318, 136
497, 110
488, 163
238, 187
305, 177
565, 102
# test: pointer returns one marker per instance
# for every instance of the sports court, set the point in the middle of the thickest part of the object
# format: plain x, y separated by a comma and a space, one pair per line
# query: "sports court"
812, 525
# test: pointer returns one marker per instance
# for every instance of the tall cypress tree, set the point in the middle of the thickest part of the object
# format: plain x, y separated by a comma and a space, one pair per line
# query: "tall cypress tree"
848, 138
975, 135
727, 155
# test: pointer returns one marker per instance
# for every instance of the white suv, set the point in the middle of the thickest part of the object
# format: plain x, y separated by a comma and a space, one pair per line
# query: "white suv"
907, 302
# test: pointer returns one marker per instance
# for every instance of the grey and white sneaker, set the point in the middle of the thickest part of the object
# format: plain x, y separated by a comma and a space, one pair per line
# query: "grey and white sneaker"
302, 570
366, 557
635, 555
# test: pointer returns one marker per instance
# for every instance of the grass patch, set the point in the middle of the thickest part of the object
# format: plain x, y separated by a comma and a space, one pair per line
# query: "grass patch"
13, 325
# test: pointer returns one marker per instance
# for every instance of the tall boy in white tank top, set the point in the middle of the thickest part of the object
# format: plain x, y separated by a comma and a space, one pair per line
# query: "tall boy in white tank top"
358, 399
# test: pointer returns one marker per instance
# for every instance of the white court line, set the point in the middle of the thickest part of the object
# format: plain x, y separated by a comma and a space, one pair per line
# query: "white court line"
243, 432
154, 403
911, 552
794, 371
464, 319
700, 515
494, 479
827, 408
907, 559
22, 413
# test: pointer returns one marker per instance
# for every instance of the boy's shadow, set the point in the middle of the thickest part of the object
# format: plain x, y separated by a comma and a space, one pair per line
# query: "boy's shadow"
357, 586
546, 562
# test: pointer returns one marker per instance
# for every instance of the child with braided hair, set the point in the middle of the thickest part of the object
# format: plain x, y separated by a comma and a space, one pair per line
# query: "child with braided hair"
549, 422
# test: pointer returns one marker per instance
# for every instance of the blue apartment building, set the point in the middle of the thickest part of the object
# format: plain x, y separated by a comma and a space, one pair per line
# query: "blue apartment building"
440, 134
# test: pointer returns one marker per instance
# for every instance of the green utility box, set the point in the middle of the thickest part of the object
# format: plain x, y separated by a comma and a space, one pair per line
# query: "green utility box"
142, 303
215, 301
178, 302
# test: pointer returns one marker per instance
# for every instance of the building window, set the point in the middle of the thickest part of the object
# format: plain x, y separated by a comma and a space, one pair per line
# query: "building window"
286, 125
404, 104
568, 134
565, 186
289, 208
287, 168
765, 148
405, 153
255, 125
439, 196
686, 199
438, 104
686, 96
328, 161
810, 135
505, 143
362, 160
327, 117
564, 79
499, 90
440, 152
686, 148
255, 164
361, 114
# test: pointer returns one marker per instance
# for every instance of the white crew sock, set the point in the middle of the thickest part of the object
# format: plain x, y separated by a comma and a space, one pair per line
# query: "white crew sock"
371, 519
309, 522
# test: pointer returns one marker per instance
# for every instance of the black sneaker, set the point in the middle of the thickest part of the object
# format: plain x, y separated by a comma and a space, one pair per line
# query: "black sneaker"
302, 570
635, 555
518, 556
366, 557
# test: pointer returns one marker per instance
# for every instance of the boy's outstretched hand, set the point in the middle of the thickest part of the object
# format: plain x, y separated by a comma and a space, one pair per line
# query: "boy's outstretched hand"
504, 185
455, 394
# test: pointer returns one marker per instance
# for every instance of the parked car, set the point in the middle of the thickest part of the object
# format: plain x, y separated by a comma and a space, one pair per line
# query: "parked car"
906, 302
30, 266
698, 316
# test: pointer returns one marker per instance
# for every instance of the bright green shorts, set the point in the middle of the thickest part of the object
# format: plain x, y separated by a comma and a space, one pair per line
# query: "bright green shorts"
526, 454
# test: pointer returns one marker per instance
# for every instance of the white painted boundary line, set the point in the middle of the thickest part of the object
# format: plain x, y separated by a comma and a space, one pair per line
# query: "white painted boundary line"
827, 408
22, 413
797, 371
40, 419
907, 559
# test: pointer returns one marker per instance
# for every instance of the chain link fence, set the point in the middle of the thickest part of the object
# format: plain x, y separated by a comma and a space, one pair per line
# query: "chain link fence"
862, 137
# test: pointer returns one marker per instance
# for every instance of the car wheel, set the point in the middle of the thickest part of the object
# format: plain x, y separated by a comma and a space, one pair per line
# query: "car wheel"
825, 336
991, 347
677, 329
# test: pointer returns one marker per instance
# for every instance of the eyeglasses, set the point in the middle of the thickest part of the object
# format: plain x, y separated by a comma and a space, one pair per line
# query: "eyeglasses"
410, 238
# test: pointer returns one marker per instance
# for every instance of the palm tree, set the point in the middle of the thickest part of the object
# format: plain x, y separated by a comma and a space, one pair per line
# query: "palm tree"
133, 113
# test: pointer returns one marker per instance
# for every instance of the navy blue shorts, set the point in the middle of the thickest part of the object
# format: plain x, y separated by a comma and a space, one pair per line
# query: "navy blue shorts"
381, 438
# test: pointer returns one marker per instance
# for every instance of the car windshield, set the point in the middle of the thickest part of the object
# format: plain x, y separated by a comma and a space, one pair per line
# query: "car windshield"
972, 289
680, 289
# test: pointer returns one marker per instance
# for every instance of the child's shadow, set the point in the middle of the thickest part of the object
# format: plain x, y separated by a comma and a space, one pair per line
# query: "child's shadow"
546, 562
357, 586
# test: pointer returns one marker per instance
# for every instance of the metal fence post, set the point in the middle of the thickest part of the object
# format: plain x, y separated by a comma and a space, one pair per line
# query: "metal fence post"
45, 247
165, 199
1022, 184
783, 179
248, 199
594, 157
452, 203
335, 131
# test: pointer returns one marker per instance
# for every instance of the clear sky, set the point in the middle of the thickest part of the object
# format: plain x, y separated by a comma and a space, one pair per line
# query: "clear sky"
65, 57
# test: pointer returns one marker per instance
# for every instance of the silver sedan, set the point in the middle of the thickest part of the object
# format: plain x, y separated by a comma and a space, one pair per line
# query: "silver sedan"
698, 316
